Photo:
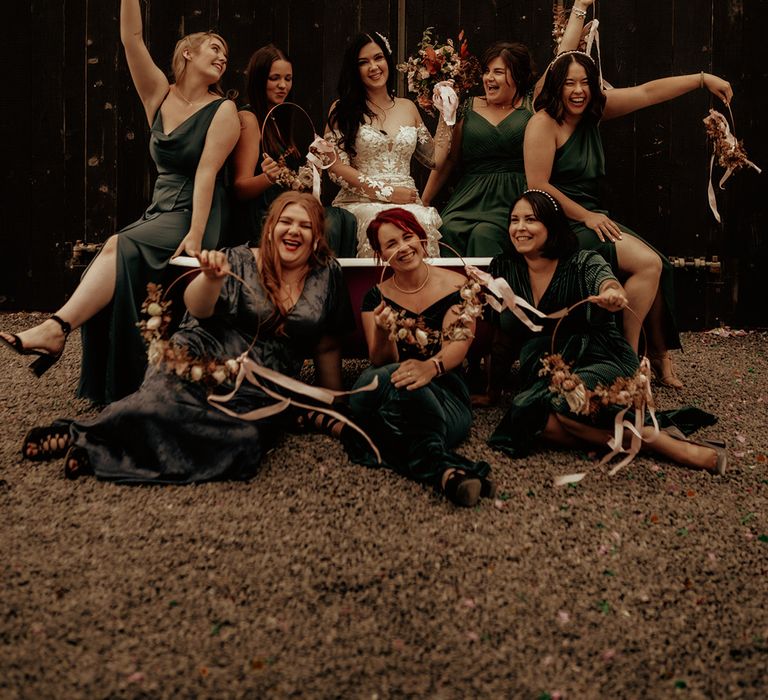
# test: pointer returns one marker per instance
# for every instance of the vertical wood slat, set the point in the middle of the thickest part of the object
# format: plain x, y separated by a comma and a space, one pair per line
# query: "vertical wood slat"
654, 183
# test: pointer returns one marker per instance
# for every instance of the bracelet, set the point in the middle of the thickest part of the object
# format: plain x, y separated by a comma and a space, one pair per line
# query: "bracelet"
439, 366
581, 14
701, 80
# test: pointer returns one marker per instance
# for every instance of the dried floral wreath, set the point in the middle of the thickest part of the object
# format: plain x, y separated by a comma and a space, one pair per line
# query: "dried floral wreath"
727, 150
414, 331
626, 392
176, 359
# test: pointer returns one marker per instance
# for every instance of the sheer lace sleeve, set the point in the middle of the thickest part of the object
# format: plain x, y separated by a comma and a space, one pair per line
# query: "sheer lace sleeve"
431, 152
346, 176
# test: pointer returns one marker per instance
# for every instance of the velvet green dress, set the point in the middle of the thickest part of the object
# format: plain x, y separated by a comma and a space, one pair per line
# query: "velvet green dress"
588, 338
415, 431
578, 167
114, 356
476, 218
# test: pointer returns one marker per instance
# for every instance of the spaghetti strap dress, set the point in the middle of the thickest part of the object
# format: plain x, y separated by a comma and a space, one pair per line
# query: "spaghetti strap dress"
476, 218
578, 167
114, 356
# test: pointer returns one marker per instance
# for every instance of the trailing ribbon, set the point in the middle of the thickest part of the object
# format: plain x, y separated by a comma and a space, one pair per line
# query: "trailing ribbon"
723, 139
251, 371
317, 148
500, 288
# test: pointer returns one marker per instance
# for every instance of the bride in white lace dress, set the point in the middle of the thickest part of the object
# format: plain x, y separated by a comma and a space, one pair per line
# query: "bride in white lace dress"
376, 134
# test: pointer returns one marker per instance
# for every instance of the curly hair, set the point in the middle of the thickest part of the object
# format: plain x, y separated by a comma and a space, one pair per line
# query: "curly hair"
270, 268
348, 112
561, 240
550, 98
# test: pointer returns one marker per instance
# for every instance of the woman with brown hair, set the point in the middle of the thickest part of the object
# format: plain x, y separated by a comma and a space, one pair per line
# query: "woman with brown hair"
293, 303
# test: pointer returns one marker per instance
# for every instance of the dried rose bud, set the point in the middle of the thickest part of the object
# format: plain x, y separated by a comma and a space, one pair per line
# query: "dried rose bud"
232, 366
196, 373
154, 309
154, 323
219, 375
402, 334
421, 337
569, 385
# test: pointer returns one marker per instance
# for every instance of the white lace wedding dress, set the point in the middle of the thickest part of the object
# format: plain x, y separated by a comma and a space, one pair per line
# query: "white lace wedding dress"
384, 162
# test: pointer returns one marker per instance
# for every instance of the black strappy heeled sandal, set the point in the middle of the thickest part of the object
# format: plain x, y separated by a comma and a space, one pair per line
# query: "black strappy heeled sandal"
45, 360
46, 442
463, 489
77, 463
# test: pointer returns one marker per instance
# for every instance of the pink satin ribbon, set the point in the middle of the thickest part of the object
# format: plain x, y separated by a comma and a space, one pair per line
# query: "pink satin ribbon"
251, 371
500, 288
621, 429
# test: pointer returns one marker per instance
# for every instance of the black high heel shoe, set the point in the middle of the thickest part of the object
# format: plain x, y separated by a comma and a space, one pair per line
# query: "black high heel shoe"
45, 360
463, 489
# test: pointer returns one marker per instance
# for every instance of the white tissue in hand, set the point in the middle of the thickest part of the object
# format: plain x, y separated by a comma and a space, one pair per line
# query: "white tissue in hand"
446, 101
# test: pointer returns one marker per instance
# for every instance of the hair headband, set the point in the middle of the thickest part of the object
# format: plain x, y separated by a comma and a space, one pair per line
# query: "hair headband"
547, 195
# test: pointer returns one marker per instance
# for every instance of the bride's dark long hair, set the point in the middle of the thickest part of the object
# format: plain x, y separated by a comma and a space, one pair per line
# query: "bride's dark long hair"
349, 111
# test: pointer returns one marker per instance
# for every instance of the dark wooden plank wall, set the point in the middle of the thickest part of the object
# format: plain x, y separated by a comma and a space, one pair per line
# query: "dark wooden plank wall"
77, 138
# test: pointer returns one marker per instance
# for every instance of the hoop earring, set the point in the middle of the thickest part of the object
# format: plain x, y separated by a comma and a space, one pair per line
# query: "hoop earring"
314, 247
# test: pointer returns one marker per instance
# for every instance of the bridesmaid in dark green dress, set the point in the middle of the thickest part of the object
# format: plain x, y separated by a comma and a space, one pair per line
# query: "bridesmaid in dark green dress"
168, 432
420, 409
564, 156
193, 132
548, 271
269, 79
488, 143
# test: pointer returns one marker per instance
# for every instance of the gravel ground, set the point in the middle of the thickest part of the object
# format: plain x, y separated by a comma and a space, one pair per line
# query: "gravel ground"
323, 579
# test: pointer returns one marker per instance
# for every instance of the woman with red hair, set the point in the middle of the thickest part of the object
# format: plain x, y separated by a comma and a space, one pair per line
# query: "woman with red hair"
418, 327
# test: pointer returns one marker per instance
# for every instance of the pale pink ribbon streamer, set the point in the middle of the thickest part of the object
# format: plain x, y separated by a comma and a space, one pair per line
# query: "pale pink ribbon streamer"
500, 288
620, 429
732, 142
446, 101
319, 144
251, 371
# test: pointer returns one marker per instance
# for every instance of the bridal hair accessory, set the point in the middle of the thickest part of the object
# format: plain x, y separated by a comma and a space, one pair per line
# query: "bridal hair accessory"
385, 41
436, 70
628, 392
728, 151
164, 354
320, 155
546, 194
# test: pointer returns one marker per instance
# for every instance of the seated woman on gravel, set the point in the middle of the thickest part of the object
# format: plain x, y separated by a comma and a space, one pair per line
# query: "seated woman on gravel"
294, 301
549, 272
416, 343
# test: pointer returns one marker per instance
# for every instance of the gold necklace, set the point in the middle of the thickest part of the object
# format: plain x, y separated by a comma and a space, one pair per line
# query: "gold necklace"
185, 98
412, 291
